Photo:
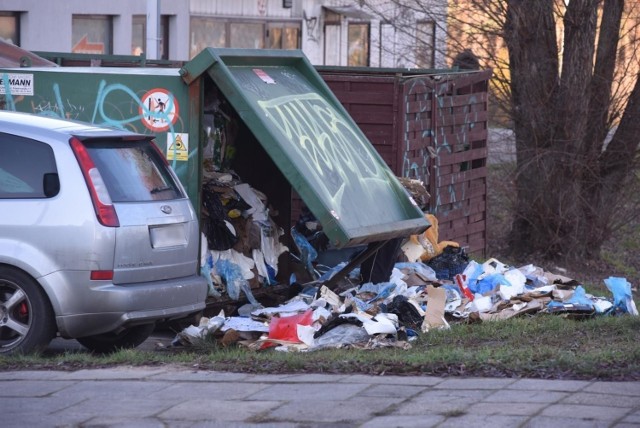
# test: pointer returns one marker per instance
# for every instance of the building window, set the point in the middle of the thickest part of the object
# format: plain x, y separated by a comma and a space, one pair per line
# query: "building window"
283, 36
246, 35
206, 33
10, 27
358, 40
425, 41
139, 35
218, 33
92, 34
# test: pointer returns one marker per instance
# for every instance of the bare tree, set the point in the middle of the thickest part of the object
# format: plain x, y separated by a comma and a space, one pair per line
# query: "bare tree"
573, 101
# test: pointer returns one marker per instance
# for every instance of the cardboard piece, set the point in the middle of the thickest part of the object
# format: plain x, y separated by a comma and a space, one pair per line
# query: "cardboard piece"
434, 315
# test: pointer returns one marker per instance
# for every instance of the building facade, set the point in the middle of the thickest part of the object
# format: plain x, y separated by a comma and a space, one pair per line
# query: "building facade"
371, 33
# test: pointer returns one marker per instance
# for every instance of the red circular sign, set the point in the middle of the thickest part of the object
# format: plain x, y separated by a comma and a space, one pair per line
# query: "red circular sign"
159, 109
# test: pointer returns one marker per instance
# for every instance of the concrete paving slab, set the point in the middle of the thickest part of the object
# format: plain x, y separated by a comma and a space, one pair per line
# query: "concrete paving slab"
633, 417
178, 397
555, 421
442, 401
106, 421
313, 392
229, 424
526, 396
606, 400
126, 406
31, 388
118, 373
33, 375
474, 383
315, 378
183, 375
425, 421
354, 411
217, 390
549, 385
508, 408
41, 407
492, 421
110, 389
615, 388
396, 380
395, 391
209, 409
585, 413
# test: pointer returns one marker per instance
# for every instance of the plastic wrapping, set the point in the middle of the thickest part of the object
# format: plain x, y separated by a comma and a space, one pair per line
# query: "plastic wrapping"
307, 253
233, 276
622, 298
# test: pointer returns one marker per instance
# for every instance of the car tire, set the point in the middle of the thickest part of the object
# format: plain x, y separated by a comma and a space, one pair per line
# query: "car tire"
107, 343
27, 322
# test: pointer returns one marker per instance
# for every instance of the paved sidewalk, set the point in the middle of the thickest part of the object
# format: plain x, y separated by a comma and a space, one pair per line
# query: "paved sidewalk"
176, 397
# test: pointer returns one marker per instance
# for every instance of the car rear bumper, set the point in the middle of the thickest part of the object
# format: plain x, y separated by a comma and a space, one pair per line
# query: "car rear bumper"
75, 301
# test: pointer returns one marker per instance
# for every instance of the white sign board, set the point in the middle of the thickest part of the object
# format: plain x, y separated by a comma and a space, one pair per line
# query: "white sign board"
18, 84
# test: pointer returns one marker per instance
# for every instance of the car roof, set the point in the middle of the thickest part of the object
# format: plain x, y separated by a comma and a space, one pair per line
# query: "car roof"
58, 125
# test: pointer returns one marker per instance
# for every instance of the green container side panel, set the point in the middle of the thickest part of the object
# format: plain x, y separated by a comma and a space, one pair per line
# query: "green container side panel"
315, 143
142, 100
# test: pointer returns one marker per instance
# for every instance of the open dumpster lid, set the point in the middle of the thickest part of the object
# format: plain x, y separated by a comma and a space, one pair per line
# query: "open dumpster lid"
15, 56
314, 142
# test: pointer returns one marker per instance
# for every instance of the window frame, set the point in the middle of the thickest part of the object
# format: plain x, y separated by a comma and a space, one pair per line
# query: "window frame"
422, 46
367, 47
227, 23
164, 34
16, 19
102, 18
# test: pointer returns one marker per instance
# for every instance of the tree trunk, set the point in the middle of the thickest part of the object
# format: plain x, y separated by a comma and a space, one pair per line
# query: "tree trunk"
533, 61
560, 124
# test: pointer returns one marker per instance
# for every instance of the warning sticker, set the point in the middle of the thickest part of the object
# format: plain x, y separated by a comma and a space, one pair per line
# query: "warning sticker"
264, 76
178, 146
18, 84
159, 109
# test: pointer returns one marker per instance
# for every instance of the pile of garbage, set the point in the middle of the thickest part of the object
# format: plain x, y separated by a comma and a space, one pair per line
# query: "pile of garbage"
435, 284
414, 301
241, 241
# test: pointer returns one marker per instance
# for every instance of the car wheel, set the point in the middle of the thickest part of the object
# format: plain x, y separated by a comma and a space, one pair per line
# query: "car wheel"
27, 323
111, 342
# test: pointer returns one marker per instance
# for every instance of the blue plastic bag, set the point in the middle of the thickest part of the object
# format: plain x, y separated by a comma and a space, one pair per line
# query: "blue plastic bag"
488, 283
205, 270
308, 254
622, 298
232, 275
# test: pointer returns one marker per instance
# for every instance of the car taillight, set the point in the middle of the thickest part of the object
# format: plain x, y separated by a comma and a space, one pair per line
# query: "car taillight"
101, 275
102, 204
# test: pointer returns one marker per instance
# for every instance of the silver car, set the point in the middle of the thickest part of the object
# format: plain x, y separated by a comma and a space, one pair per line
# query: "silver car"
98, 240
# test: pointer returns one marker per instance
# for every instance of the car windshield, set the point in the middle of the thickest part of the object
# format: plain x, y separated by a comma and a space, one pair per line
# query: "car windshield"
133, 171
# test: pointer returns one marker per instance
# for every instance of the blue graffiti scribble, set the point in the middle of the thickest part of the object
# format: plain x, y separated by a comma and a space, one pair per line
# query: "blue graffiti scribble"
7, 93
56, 91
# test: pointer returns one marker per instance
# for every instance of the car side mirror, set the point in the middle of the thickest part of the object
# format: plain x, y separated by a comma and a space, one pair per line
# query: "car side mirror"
51, 184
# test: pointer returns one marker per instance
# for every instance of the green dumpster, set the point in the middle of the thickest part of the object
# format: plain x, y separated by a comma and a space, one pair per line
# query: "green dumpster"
292, 134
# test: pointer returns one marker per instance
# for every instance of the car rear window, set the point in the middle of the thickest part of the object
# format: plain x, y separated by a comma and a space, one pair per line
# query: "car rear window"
133, 171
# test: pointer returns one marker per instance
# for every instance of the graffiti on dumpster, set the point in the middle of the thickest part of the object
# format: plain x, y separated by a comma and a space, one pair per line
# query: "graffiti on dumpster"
127, 114
417, 164
335, 156
158, 115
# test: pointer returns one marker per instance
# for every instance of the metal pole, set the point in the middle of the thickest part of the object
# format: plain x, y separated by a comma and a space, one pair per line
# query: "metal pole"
153, 29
